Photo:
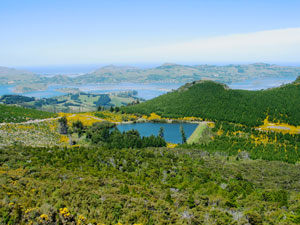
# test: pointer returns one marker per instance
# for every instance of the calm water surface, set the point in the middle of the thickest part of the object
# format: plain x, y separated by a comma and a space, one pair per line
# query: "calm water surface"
6, 90
171, 130
262, 83
146, 91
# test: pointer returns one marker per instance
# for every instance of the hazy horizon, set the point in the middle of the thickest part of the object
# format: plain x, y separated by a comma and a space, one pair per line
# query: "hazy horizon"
85, 68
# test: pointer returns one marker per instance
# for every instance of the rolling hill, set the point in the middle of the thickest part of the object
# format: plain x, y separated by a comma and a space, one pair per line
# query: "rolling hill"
215, 101
73, 102
175, 73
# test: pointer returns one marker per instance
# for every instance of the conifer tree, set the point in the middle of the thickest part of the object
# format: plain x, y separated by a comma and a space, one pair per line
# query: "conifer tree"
161, 132
182, 134
63, 125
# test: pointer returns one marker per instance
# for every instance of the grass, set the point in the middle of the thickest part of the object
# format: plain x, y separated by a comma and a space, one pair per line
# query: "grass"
119, 101
197, 134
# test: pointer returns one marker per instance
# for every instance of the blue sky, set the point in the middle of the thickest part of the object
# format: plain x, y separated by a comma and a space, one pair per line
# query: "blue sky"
59, 32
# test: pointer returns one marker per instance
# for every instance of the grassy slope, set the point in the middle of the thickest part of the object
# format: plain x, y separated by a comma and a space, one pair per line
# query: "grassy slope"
197, 134
213, 101
19, 114
148, 186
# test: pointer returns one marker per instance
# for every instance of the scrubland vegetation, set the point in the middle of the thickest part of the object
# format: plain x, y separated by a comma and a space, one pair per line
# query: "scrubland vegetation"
144, 186
31, 134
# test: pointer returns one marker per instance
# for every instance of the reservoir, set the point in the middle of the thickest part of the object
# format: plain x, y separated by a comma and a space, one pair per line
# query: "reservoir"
171, 130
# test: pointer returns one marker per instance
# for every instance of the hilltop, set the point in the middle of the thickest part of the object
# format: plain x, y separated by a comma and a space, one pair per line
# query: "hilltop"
215, 101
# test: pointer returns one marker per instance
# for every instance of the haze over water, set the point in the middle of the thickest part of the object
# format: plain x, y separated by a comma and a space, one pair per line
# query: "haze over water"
145, 91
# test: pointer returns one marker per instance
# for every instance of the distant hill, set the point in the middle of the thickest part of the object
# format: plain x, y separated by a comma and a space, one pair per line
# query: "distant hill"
175, 73
215, 101
14, 76
166, 73
16, 114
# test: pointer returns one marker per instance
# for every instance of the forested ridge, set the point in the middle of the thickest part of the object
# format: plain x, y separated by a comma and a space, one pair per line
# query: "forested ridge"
214, 101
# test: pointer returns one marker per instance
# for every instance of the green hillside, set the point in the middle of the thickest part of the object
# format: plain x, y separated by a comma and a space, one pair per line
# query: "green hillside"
214, 101
16, 114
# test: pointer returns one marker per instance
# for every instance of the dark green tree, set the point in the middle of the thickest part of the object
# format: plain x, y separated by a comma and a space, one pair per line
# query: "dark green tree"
183, 136
161, 132
63, 125
78, 127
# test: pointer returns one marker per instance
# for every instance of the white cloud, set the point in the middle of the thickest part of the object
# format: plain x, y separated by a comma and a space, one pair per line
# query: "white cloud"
282, 45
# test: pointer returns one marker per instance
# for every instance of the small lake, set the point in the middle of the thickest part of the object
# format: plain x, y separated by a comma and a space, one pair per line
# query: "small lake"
171, 130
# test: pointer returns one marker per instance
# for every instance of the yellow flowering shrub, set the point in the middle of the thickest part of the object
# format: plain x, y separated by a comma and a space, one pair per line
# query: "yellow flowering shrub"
171, 145
64, 212
86, 118
154, 116
81, 219
279, 127
44, 217
64, 139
